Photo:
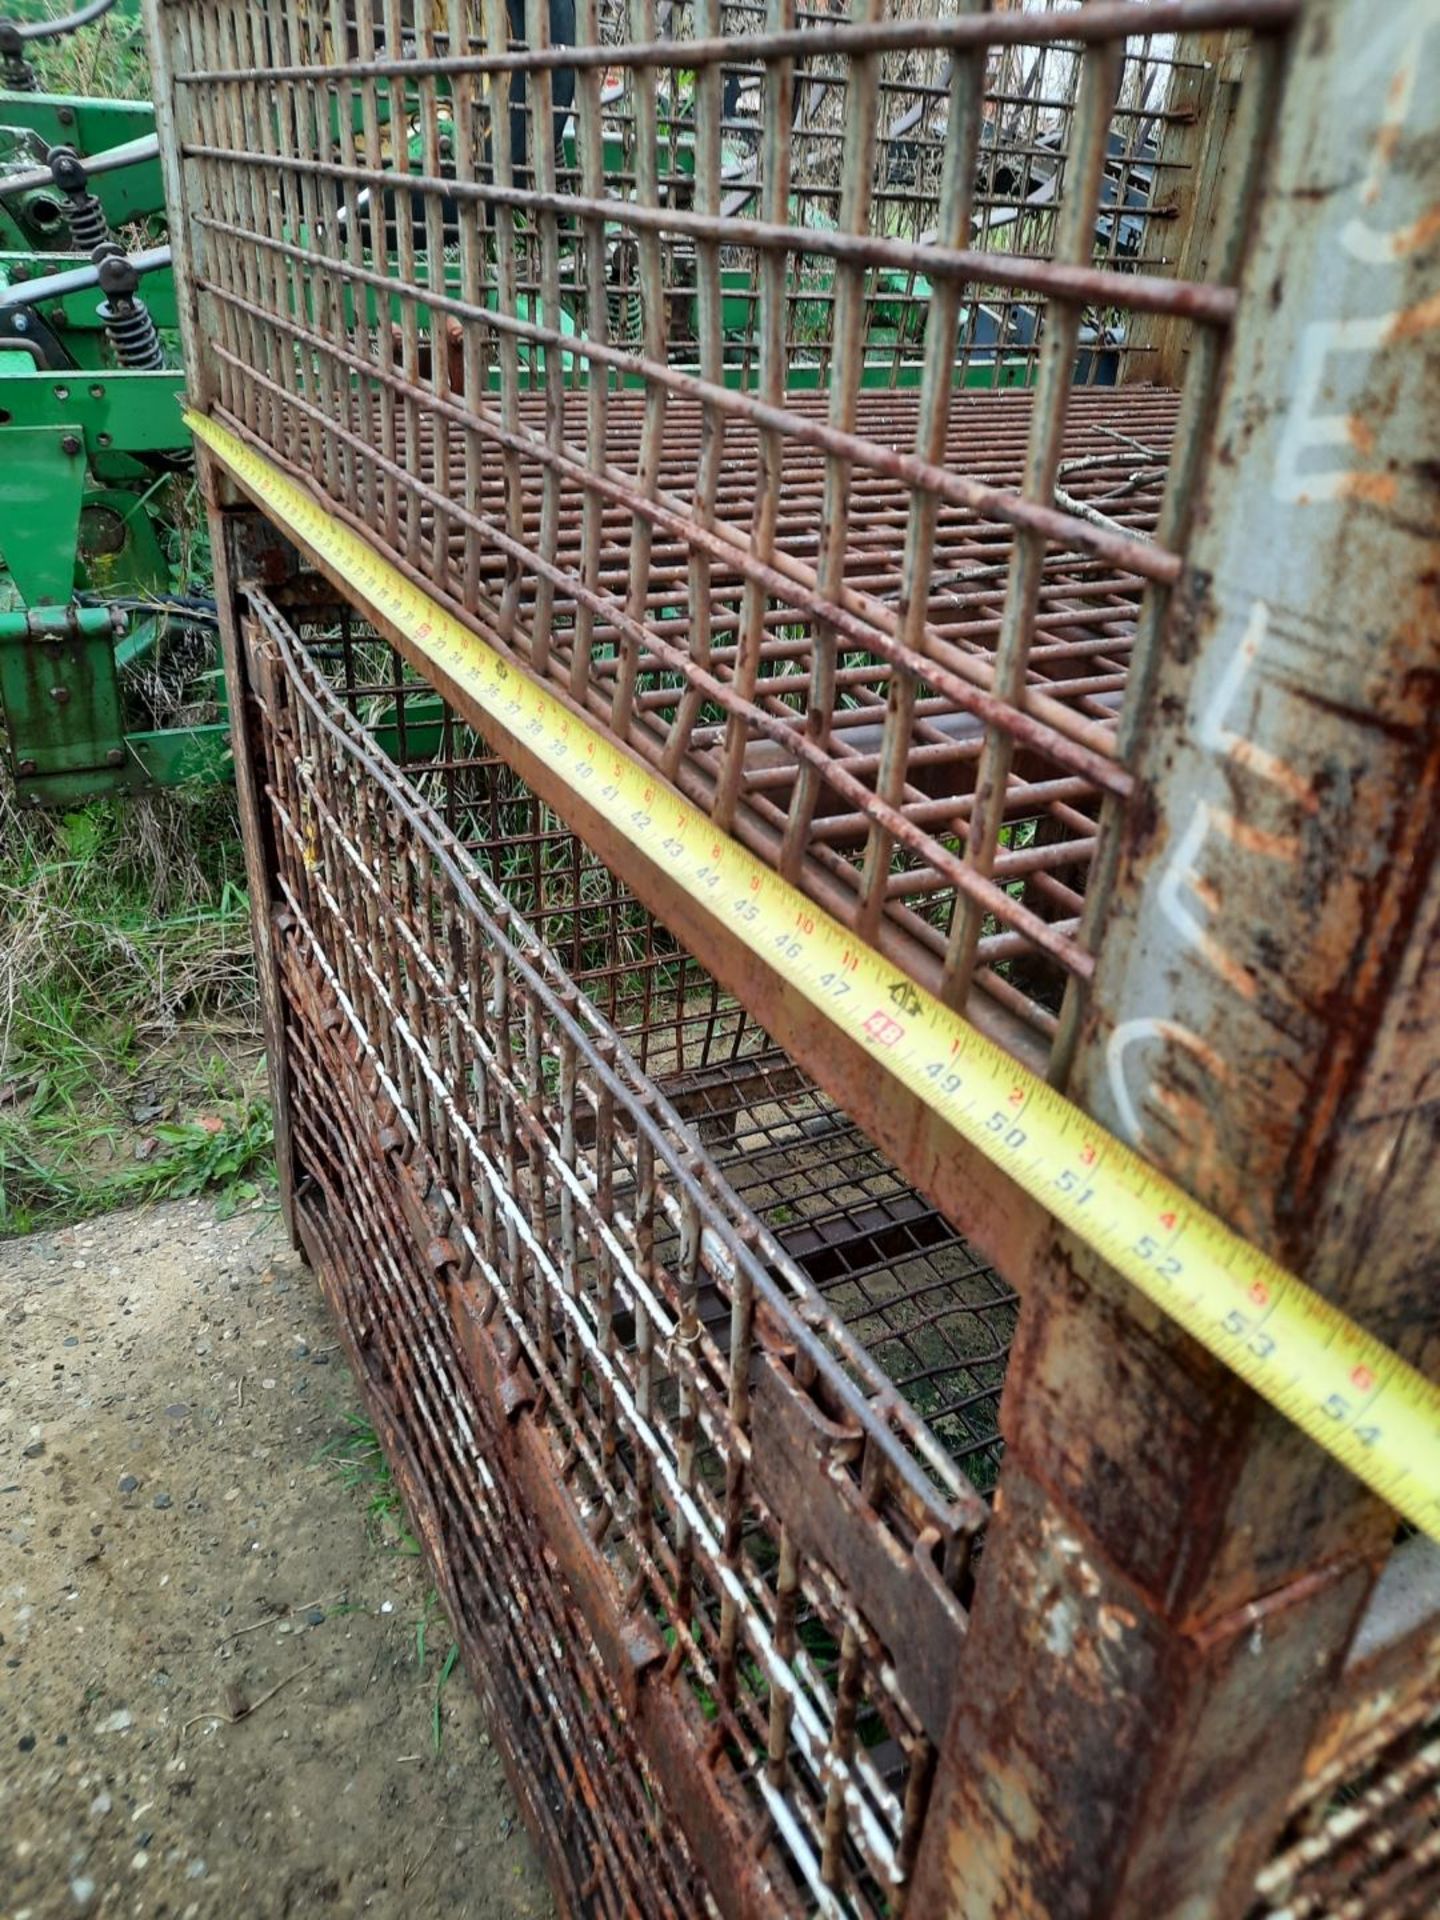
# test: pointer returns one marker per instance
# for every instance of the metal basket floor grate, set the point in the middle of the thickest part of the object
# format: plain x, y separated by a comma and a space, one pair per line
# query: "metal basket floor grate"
690, 720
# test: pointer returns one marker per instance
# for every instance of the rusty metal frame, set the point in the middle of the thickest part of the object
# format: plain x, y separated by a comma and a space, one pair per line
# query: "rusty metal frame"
652, 485
762, 1524
1263, 1027
984, 674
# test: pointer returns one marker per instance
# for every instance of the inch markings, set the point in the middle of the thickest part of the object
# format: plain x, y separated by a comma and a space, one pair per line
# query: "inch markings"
1350, 1393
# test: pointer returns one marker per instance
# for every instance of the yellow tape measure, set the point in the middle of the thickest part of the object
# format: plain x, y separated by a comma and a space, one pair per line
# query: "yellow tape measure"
1360, 1401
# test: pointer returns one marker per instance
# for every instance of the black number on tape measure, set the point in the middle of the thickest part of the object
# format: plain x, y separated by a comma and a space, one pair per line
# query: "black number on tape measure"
1165, 1264
1014, 1138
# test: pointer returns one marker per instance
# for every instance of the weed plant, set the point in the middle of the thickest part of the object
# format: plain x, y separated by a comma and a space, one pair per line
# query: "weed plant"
107, 60
129, 1046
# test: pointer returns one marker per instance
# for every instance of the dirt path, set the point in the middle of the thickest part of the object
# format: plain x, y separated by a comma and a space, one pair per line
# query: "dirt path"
173, 1549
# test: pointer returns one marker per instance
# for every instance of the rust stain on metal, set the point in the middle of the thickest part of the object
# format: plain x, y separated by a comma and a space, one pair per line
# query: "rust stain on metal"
687, 1338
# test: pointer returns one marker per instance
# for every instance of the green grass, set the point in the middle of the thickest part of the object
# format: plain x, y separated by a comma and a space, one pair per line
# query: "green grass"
107, 60
358, 1462
130, 1068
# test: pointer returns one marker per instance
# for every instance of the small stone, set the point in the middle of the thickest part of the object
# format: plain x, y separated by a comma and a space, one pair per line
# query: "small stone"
62, 1739
179, 1411
162, 1501
195, 1870
101, 1805
26, 1742
34, 1450
118, 1722
82, 1890
315, 1617
70, 1341
129, 1483
302, 1347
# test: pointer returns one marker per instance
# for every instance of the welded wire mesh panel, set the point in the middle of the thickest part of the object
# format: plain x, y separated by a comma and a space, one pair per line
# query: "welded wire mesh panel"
1364, 1833
938, 1320
603, 1248
648, 337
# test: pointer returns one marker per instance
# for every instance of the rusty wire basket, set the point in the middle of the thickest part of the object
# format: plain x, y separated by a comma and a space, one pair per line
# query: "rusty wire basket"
749, 1379
859, 415
694, 1398
706, 419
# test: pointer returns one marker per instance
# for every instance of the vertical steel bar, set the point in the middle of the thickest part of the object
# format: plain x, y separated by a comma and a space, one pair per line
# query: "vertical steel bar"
842, 375
956, 213
774, 268
709, 147
543, 135
652, 303
508, 235
590, 127
1074, 240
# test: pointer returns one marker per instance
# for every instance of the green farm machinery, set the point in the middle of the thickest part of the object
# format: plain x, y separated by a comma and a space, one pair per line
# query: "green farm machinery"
109, 673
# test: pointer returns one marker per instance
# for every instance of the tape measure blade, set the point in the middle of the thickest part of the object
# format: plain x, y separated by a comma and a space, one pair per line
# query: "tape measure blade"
1389, 1437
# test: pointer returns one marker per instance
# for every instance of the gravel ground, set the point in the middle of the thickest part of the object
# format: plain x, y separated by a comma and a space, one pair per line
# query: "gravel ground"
211, 1700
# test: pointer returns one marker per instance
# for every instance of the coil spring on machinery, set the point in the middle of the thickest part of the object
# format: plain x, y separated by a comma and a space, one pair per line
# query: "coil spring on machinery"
89, 227
126, 318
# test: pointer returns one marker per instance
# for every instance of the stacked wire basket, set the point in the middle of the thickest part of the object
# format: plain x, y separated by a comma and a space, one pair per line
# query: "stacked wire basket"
820, 402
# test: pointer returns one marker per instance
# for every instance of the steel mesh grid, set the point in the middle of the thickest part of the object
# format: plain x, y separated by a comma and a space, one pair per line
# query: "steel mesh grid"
1363, 1837
938, 1320
732, 1451
883, 633
557, 1713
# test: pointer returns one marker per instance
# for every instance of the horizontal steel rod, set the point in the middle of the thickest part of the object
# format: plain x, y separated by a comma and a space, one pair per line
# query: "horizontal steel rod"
1142, 293
1102, 21
1147, 559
